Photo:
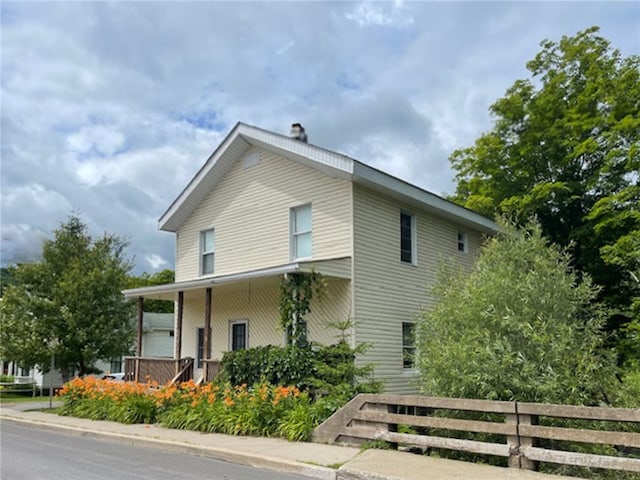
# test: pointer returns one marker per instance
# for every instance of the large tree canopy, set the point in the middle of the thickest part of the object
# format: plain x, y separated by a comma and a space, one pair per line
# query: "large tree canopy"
518, 326
565, 147
69, 302
162, 277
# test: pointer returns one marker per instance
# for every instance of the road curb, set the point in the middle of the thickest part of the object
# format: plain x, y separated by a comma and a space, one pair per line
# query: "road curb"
217, 453
346, 473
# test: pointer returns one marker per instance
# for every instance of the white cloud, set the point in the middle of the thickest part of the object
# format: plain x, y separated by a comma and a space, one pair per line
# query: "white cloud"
156, 262
379, 14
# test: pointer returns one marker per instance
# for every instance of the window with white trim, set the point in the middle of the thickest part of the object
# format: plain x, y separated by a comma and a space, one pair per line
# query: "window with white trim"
408, 344
462, 242
238, 335
300, 232
207, 249
407, 237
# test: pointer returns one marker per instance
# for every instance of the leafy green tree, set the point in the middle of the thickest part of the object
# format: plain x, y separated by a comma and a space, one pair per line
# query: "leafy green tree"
69, 302
518, 326
6, 278
565, 147
162, 277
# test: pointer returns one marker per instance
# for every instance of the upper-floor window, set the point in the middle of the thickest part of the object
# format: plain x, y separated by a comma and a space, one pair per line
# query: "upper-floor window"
462, 242
407, 237
408, 344
207, 248
300, 236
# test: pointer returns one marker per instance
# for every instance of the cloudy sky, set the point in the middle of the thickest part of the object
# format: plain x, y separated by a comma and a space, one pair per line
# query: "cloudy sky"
109, 109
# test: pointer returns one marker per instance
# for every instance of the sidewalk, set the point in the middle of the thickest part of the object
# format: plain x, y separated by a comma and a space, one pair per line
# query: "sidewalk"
325, 462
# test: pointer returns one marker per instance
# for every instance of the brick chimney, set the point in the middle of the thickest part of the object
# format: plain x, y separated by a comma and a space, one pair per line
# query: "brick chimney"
297, 132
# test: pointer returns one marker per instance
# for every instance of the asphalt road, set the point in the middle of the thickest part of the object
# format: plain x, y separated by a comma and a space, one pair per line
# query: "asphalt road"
30, 453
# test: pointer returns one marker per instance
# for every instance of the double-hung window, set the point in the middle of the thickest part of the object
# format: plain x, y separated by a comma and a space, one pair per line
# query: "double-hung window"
408, 344
407, 237
207, 249
200, 353
300, 232
462, 242
238, 335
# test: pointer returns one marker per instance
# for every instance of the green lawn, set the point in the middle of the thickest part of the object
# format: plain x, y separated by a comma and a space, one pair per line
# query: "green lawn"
21, 398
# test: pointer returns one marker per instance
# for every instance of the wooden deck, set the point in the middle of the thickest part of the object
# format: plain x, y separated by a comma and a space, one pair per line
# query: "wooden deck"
160, 370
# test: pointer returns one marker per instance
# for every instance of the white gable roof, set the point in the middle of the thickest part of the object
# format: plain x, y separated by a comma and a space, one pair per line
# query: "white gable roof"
243, 137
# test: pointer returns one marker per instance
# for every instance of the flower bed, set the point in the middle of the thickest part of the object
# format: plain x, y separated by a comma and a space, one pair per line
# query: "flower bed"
262, 409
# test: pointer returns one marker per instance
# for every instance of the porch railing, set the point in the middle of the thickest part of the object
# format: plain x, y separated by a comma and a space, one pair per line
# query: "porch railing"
161, 370
211, 370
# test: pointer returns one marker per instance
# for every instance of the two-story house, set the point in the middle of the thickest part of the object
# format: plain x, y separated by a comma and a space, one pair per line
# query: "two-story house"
264, 205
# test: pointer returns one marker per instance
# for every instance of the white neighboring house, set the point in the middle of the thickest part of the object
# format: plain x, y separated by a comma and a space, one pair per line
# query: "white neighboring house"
157, 342
157, 336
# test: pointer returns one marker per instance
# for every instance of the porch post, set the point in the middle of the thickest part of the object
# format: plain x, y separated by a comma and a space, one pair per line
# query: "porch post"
177, 334
207, 330
139, 336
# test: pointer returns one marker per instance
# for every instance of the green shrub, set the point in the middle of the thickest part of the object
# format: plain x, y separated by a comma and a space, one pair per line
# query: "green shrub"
317, 368
272, 364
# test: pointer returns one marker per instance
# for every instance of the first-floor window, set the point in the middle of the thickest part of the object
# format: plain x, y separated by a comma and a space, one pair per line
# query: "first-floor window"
200, 347
116, 365
408, 344
238, 333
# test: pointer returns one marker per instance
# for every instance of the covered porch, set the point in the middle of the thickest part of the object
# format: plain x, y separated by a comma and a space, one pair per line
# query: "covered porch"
215, 314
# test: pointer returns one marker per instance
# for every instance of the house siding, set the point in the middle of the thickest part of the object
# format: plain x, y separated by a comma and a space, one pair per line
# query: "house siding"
387, 291
249, 210
259, 306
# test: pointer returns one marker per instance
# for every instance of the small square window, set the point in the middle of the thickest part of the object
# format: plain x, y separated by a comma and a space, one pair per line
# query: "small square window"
251, 159
207, 247
462, 242
300, 235
408, 344
407, 237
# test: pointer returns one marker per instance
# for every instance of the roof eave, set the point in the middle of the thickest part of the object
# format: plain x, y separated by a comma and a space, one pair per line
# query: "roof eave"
378, 180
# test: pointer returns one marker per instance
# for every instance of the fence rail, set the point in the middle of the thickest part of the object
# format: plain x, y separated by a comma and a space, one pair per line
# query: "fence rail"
514, 426
161, 370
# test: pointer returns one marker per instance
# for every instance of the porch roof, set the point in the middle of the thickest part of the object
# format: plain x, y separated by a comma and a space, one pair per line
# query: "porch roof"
335, 267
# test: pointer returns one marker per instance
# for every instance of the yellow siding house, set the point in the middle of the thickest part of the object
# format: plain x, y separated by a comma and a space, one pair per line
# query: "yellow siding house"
265, 205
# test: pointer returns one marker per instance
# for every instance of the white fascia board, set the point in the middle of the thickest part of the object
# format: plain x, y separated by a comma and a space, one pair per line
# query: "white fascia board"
311, 155
386, 183
211, 281
167, 220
